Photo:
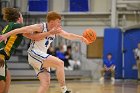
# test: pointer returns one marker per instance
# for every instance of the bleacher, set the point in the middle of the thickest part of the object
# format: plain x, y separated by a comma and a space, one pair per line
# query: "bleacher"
20, 69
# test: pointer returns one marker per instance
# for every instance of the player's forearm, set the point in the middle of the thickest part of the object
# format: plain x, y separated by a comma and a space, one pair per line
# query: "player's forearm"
26, 29
18, 31
37, 36
72, 36
40, 36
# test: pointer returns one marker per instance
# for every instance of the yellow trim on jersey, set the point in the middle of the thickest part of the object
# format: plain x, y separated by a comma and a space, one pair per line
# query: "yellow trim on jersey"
3, 31
10, 43
2, 57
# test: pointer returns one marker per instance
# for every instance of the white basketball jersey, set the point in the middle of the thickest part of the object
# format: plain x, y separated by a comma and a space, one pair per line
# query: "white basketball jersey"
44, 44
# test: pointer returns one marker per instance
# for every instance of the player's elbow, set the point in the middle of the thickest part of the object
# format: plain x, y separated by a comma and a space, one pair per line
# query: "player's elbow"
29, 30
26, 30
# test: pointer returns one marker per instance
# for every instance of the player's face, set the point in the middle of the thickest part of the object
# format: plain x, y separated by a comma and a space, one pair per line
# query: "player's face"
109, 56
57, 22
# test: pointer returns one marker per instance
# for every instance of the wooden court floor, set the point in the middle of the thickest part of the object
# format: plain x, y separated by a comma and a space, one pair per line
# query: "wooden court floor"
77, 87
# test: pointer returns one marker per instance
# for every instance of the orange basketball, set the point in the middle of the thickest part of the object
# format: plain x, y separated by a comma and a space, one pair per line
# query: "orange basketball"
90, 35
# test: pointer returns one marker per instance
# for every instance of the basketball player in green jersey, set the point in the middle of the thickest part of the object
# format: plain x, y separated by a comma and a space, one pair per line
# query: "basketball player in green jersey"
15, 20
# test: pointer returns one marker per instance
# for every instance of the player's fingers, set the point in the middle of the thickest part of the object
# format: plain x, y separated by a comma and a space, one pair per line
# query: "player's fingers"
86, 41
58, 30
0, 38
5, 41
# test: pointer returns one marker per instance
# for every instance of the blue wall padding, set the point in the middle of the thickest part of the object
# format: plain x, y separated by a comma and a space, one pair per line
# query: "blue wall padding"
131, 39
113, 44
79, 6
38, 5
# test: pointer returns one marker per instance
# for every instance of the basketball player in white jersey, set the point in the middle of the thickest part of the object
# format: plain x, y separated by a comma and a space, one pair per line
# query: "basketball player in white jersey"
37, 52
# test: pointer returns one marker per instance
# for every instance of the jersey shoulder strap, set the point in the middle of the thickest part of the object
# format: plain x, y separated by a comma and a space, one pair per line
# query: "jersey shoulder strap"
44, 27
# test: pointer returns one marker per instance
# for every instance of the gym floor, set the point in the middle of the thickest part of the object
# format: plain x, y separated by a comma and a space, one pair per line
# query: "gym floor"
78, 87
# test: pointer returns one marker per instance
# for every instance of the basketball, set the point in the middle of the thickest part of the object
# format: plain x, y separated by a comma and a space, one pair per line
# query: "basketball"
90, 35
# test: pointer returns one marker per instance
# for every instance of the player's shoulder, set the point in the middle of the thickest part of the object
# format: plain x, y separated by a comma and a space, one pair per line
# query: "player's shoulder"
16, 25
44, 24
12, 25
40, 24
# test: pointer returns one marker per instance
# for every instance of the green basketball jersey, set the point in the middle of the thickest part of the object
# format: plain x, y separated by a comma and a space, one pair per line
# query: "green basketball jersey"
12, 42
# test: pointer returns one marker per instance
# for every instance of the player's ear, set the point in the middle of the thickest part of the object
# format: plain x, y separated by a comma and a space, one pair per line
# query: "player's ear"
19, 19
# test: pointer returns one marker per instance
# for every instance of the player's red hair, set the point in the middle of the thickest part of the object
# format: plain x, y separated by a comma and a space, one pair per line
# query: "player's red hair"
53, 16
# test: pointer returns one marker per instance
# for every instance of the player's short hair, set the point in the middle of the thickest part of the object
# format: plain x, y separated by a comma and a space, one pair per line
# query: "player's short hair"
53, 16
109, 54
10, 14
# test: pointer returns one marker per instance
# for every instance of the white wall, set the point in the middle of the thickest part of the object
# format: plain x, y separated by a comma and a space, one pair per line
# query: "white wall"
79, 29
95, 5
59, 5
24, 5
94, 65
100, 5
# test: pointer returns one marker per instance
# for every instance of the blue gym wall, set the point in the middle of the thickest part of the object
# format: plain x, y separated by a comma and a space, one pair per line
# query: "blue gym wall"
113, 44
131, 39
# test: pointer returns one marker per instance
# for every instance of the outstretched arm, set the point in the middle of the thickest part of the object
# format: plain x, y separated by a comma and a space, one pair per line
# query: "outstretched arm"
40, 36
26, 29
30, 30
36, 36
72, 36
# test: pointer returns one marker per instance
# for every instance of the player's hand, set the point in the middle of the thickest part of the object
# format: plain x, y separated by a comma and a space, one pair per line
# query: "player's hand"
55, 30
3, 38
84, 40
108, 69
1, 62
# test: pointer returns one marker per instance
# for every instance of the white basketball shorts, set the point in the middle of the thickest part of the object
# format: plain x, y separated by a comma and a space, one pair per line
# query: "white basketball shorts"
36, 58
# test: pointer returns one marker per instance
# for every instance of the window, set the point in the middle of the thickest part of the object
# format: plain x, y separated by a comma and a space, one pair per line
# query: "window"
79, 5
38, 5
